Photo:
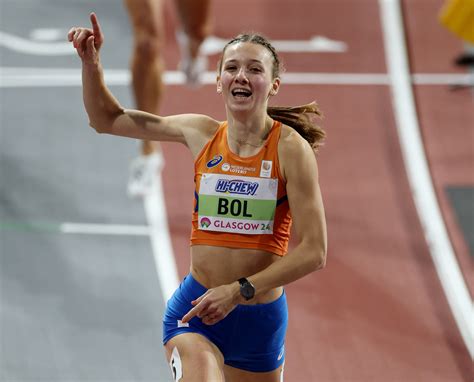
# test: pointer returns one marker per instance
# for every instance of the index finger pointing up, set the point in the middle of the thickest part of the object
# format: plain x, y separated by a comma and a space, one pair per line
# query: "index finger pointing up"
95, 25
96, 29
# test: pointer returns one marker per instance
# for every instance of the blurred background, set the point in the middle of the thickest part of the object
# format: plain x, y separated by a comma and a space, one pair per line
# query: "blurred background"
85, 270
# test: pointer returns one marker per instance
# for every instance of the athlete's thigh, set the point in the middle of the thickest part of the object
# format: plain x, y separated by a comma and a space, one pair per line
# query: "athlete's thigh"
197, 358
237, 375
146, 15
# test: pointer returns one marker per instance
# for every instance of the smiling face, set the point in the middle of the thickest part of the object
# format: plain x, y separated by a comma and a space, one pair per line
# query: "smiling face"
246, 77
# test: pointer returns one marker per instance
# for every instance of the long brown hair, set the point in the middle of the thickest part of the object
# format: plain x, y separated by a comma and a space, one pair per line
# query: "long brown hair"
301, 118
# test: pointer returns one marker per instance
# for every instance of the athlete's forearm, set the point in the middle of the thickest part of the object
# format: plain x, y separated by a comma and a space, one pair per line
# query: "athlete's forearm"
305, 258
101, 106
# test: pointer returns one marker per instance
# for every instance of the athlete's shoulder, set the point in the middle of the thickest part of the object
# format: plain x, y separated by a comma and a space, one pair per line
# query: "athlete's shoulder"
197, 129
208, 126
198, 125
202, 122
291, 140
294, 152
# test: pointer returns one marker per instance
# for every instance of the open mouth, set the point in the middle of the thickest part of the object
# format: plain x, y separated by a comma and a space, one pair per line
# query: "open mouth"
241, 93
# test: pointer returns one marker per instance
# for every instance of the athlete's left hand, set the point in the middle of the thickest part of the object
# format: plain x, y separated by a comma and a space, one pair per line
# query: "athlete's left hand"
214, 305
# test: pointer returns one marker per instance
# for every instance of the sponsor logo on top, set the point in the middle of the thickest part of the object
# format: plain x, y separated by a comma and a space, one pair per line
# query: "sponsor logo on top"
214, 161
266, 169
236, 169
236, 186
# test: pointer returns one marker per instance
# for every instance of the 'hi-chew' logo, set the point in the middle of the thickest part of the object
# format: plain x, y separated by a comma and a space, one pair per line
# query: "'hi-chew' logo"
236, 186
205, 222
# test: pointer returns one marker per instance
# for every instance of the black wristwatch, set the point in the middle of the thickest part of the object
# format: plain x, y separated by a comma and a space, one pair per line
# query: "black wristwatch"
247, 290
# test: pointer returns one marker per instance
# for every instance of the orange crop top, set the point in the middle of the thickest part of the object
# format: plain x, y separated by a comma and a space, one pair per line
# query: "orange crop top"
240, 202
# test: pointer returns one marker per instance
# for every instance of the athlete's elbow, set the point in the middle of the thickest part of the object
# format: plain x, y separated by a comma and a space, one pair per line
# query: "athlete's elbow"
318, 258
102, 124
98, 127
103, 120
321, 262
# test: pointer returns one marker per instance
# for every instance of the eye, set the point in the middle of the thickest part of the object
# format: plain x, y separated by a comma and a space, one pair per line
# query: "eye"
230, 68
256, 69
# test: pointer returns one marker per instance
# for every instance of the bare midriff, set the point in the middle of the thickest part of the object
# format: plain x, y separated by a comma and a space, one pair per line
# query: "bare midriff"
214, 266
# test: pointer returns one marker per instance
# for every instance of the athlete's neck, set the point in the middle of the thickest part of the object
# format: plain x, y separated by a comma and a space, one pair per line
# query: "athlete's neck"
248, 132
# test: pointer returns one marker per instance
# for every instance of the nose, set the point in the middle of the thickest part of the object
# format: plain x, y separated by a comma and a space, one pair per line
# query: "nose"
241, 77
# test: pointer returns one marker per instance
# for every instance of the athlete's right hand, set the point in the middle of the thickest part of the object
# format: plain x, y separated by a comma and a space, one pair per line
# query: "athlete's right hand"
87, 41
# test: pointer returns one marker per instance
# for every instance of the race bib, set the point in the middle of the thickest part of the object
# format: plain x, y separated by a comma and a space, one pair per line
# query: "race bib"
237, 204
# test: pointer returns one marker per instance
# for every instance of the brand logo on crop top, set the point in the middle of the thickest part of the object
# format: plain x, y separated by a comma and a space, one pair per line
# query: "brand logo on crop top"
241, 187
214, 161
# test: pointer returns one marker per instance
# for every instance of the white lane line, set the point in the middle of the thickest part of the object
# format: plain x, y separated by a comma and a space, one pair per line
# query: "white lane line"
335, 79
419, 176
212, 45
155, 210
105, 229
49, 35
157, 231
22, 45
443, 79
49, 77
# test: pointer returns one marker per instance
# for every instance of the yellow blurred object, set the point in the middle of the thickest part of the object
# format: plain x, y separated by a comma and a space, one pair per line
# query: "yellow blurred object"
458, 17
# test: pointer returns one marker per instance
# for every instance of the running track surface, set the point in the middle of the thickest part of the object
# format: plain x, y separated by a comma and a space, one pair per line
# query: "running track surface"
377, 312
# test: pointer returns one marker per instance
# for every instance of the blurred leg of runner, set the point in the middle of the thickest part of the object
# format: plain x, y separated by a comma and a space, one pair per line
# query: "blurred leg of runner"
147, 69
195, 27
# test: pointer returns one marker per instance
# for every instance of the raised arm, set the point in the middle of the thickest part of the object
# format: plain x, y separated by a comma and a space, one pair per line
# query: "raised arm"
106, 115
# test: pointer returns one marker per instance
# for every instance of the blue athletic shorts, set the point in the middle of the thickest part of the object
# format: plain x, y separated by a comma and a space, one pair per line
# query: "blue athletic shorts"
251, 337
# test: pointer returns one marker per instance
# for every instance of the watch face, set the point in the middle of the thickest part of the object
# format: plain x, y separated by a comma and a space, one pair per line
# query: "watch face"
247, 290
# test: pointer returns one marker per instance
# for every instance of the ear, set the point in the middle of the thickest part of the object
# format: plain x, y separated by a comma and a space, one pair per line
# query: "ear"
219, 85
275, 86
